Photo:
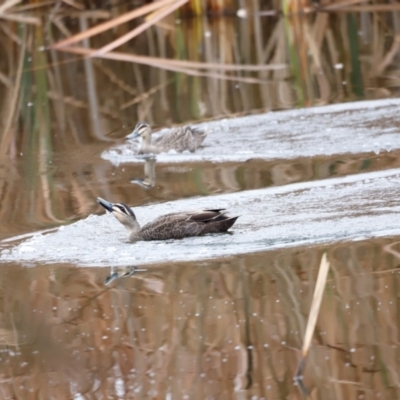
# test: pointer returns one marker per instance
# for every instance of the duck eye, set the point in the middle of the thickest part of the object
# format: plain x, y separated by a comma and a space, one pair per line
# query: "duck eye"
122, 209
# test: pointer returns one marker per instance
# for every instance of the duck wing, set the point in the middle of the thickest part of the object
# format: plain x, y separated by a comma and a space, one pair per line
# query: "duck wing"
214, 221
170, 226
198, 137
181, 139
170, 140
186, 224
192, 138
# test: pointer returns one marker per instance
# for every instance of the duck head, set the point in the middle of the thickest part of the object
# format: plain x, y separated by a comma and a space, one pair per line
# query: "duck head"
141, 130
123, 213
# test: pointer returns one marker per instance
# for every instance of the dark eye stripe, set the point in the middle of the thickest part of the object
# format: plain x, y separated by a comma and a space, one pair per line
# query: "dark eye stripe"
120, 208
142, 127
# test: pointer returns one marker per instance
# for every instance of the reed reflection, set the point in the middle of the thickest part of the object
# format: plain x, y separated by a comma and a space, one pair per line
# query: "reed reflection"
206, 329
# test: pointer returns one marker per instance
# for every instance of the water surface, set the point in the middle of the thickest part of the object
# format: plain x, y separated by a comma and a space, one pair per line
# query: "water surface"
205, 329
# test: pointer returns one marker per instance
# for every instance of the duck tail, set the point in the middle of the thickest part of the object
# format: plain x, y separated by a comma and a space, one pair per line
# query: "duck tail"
227, 223
199, 133
220, 224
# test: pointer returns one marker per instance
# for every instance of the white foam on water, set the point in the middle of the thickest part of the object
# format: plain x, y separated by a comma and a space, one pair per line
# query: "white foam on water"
346, 208
358, 127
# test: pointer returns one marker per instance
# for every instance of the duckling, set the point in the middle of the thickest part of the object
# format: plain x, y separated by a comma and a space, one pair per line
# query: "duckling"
170, 226
181, 139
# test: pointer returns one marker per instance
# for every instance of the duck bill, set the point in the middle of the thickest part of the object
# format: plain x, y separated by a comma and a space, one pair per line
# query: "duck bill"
105, 204
133, 135
111, 278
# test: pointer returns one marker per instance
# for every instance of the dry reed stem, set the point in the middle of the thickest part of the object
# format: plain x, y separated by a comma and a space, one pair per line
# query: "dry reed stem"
5, 80
8, 4
141, 28
74, 4
21, 18
70, 101
54, 79
97, 128
170, 63
313, 47
271, 43
340, 4
142, 96
166, 64
335, 7
61, 26
28, 7
361, 8
111, 24
312, 319
316, 304
91, 14
369, 8
15, 38
12, 109
115, 78
389, 56
319, 29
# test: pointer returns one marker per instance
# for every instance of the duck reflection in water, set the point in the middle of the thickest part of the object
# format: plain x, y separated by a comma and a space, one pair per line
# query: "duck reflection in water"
149, 173
122, 272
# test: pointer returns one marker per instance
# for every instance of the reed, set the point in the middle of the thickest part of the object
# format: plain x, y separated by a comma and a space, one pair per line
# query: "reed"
312, 320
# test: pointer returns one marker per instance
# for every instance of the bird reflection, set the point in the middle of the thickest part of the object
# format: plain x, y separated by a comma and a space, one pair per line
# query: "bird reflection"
149, 173
122, 272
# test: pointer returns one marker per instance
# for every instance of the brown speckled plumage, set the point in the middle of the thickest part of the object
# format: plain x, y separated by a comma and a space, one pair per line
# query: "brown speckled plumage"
170, 226
180, 139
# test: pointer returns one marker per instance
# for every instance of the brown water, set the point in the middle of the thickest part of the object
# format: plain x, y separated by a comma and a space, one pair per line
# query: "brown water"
216, 329
206, 329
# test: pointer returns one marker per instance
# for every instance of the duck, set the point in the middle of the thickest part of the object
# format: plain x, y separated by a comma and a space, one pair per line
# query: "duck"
176, 225
180, 139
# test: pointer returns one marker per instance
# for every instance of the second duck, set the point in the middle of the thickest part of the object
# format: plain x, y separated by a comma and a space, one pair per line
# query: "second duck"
170, 226
180, 139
